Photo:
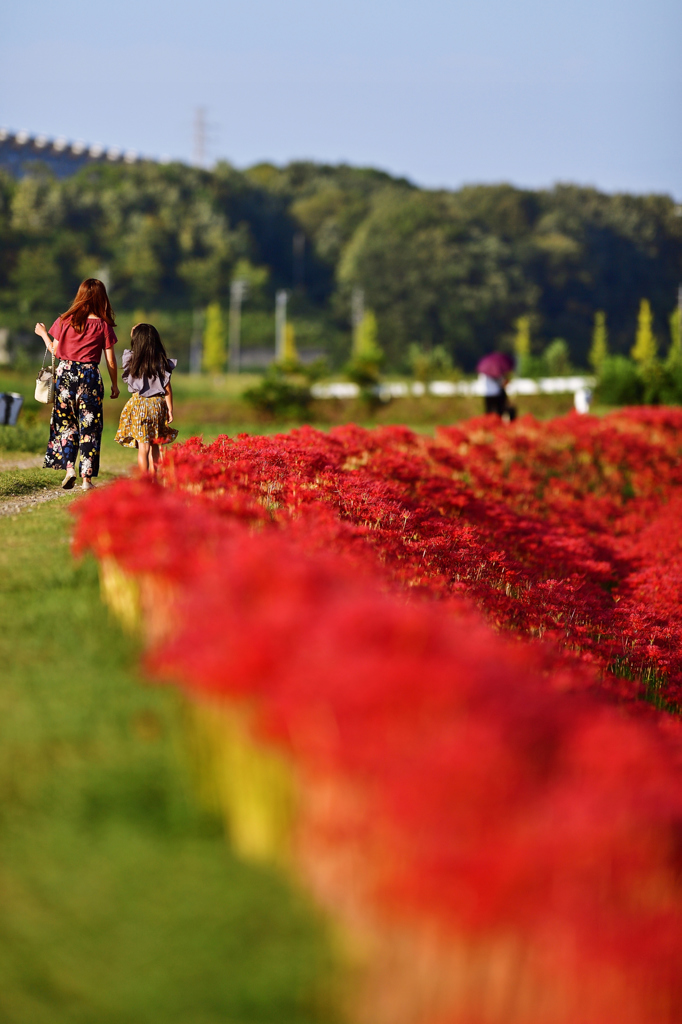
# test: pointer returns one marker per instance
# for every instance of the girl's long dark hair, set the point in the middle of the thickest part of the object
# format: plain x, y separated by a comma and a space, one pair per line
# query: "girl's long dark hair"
149, 356
91, 297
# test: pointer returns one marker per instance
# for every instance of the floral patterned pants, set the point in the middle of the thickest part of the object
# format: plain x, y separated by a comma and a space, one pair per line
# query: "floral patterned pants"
76, 418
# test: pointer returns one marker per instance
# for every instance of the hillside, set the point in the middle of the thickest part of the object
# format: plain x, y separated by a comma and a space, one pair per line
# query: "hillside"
437, 267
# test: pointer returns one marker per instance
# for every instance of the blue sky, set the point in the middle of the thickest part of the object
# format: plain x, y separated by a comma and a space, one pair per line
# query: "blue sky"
442, 92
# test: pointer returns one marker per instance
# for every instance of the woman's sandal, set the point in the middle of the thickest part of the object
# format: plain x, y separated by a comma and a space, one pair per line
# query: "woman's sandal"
69, 480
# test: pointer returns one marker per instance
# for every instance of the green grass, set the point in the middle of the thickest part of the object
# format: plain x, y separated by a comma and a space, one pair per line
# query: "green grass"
33, 428
23, 382
224, 386
25, 437
17, 482
120, 902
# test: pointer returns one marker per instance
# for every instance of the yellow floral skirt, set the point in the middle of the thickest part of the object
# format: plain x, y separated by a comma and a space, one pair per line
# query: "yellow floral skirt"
144, 421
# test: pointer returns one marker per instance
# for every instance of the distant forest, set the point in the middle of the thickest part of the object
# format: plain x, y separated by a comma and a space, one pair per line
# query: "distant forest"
455, 269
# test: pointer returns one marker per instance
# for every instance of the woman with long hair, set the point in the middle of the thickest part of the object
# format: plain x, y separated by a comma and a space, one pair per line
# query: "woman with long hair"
147, 415
77, 338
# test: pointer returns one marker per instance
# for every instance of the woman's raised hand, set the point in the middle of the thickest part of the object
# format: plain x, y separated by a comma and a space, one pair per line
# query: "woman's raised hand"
41, 330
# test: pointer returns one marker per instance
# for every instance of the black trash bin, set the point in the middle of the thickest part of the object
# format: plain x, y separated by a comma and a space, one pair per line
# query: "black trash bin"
10, 407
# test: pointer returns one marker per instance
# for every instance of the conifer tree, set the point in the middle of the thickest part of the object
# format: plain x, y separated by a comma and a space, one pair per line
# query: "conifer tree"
366, 347
215, 351
522, 343
366, 355
645, 347
290, 353
522, 337
600, 342
675, 350
557, 358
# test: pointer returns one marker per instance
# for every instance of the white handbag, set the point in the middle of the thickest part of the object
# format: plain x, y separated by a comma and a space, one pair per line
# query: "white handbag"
44, 391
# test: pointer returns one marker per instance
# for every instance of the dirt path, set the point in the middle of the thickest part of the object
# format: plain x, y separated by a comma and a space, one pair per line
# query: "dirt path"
20, 460
10, 506
27, 502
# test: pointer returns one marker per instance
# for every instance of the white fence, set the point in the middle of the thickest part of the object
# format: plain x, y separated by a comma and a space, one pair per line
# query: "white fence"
449, 388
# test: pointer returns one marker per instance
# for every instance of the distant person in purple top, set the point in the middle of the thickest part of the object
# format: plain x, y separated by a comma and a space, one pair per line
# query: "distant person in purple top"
146, 416
79, 337
494, 371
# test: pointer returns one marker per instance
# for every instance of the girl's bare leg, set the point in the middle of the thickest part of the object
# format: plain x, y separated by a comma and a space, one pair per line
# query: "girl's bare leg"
143, 456
154, 458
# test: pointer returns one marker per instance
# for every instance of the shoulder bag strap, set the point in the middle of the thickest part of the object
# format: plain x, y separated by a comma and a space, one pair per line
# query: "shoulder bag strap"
42, 367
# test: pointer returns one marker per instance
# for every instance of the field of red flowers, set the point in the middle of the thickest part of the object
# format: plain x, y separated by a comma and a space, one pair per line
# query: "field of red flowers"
440, 681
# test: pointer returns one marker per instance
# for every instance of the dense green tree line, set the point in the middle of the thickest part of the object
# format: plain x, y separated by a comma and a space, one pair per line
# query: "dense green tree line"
437, 268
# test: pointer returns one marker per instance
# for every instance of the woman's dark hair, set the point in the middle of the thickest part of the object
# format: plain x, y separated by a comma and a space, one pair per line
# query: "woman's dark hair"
91, 297
149, 356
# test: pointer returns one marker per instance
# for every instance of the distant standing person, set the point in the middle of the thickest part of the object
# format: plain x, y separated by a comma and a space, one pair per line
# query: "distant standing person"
78, 338
146, 416
582, 399
494, 394
493, 373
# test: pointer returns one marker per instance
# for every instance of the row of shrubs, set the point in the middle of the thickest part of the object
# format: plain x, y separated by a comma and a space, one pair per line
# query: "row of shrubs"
621, 381
285, 391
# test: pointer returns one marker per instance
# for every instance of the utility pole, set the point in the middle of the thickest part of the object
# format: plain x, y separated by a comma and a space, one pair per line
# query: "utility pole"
104, 275
280, 323
200, 137
237, 294
195, 345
